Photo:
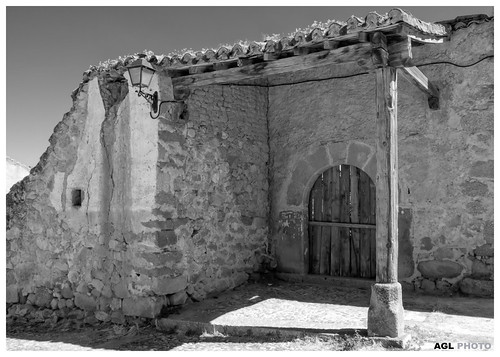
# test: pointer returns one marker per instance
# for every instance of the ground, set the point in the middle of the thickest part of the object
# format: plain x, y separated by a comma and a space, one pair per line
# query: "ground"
429, 320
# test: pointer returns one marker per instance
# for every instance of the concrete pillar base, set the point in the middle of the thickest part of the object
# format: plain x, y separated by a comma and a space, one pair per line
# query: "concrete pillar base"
386, 314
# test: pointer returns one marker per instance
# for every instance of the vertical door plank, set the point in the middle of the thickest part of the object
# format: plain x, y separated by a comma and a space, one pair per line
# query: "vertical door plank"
373, 234
310, 229
312, 198
324, 267
317, 195
364, 217
335, 217
354, 173
344, 217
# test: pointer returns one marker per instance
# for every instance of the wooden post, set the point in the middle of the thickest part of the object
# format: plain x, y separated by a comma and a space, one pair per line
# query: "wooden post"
387, 175
385, 314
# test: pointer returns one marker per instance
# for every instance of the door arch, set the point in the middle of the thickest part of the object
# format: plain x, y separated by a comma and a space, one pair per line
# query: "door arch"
342, 207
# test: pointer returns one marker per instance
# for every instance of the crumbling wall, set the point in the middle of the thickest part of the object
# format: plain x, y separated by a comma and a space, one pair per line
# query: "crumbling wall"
125, 215
445, 161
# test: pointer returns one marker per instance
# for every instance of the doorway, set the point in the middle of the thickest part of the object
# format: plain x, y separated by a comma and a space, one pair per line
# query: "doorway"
342, 206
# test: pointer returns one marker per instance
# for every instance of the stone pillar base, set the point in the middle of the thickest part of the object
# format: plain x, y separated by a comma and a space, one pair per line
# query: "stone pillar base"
386, 314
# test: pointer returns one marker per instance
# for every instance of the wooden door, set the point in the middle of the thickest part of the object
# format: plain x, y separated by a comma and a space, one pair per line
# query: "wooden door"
342, 223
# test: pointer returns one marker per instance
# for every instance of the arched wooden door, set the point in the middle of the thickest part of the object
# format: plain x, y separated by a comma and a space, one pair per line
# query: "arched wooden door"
342, 223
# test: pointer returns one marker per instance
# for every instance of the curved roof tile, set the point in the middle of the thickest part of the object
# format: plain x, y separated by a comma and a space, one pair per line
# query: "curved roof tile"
313, 37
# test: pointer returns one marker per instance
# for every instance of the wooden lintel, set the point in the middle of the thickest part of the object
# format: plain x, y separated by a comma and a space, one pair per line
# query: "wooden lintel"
350, 60
347, 60
415, 76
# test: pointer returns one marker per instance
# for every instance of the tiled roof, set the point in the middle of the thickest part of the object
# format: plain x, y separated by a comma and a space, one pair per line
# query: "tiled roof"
298, 43
336, 30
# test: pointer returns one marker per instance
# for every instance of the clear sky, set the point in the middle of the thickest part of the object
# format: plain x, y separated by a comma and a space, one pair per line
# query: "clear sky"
48, 49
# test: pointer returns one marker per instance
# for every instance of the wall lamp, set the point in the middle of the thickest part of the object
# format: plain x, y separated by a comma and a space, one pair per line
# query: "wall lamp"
141, 73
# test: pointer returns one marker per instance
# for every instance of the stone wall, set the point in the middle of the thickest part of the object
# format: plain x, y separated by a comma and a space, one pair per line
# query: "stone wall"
211, 200
445, 162
125, 215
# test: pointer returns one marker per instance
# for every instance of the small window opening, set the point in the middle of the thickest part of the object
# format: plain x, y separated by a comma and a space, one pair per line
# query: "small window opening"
77, 197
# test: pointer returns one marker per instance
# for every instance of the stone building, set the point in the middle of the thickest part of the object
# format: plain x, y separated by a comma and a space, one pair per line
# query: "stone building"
124, 214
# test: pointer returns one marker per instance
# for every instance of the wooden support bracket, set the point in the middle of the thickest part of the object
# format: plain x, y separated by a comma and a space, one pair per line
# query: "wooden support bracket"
380, 53
415, 76
400, 53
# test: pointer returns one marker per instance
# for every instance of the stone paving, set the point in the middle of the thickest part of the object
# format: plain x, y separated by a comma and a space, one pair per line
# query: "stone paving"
271, 315
284, 306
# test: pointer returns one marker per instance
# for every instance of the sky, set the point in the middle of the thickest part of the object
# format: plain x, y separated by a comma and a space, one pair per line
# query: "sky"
48, 49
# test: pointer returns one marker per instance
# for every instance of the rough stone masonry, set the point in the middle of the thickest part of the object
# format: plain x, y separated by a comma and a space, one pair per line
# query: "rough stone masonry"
168, 209
445, 161
125, 215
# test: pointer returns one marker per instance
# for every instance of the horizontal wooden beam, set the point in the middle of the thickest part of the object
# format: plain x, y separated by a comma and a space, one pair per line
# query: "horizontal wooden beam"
354, 59
343, 225
415, 76
342, 61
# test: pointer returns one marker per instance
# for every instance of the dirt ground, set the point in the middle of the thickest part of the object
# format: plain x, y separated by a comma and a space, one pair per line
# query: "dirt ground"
431, 319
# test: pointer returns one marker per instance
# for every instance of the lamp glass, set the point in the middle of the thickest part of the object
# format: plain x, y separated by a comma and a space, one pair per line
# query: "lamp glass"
147, 76
141, 73
135, 75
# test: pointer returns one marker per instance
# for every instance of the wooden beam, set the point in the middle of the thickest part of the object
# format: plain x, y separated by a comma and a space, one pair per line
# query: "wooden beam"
387, 176
343, 225
400, 53
248, 60
331, 44
224, 65
415, 76
345, 61
380, 53
351, 60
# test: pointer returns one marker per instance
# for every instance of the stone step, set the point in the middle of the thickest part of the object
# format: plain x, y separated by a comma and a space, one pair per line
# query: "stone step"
172, 324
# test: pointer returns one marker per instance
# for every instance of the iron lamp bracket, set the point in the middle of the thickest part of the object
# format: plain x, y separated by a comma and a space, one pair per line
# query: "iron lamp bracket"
154, 102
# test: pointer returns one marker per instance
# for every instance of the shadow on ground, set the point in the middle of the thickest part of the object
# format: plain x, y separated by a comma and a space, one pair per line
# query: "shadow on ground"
257, 300
269, 288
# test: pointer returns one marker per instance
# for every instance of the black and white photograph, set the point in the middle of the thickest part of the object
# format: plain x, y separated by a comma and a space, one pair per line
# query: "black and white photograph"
223, 176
